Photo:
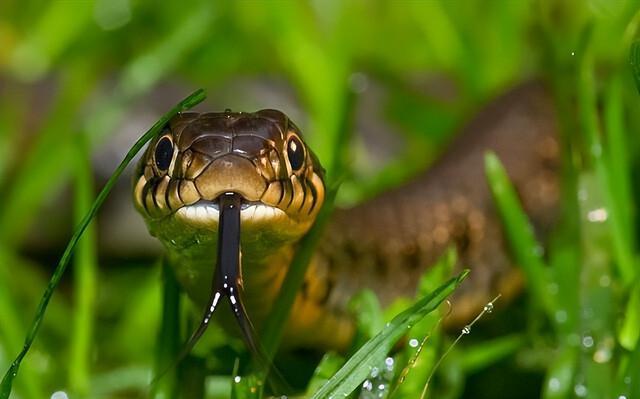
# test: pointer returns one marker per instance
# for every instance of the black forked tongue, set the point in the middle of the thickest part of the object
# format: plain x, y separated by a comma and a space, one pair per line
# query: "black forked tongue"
227, 281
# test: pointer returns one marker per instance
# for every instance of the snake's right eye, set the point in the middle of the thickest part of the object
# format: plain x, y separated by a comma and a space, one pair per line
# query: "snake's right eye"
164, 153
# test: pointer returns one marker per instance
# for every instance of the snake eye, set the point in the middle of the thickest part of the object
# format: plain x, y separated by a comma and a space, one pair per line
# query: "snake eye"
295, 153
164, 153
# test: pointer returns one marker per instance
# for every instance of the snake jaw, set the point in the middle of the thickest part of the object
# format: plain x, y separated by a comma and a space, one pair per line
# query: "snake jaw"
207, 213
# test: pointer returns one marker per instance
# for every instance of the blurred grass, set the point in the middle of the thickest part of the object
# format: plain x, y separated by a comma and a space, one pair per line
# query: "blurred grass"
68, 67
86, 279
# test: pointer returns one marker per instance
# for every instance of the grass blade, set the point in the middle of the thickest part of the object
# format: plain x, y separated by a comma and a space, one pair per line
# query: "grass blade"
168, 340
85, 270
12, 372
276, 321
359, 365
634, 60
519, 231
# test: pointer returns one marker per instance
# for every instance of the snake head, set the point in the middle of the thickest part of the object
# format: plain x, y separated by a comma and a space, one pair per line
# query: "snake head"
261, 156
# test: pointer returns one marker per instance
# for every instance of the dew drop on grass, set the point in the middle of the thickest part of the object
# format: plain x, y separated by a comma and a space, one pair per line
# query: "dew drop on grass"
488, 308
580, 390
554, 384
237, 379
413, 343
598, 215
59, 395
466, 330
587, 341
561, 316
376, 386
389, 363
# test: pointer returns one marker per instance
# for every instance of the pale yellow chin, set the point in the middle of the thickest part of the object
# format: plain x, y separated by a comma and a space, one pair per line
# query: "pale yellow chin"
206, 215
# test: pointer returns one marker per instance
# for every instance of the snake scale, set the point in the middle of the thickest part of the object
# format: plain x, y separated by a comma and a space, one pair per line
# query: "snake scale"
384, 244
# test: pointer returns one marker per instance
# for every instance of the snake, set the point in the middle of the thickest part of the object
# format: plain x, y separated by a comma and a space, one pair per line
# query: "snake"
384, 244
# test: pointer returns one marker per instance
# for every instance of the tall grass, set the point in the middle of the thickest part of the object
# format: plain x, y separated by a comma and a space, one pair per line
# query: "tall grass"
92, 67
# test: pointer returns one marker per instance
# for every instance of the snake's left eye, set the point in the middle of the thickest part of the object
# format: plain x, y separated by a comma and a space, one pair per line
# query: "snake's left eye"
164, 153
295, 153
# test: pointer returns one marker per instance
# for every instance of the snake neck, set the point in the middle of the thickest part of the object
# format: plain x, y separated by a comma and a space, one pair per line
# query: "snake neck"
193, 255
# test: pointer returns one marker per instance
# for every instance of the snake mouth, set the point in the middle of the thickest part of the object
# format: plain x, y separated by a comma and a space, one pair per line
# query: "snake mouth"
207, 213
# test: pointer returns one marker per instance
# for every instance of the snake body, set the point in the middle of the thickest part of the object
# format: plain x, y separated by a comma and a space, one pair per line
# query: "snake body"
384, 244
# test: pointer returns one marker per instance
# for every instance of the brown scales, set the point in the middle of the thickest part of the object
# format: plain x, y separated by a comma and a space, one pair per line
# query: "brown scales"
387, 243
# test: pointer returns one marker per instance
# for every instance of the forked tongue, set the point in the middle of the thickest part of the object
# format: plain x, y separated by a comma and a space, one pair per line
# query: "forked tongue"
227, 280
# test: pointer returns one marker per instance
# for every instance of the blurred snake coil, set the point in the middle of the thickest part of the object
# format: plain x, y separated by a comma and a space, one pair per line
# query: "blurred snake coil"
384, 244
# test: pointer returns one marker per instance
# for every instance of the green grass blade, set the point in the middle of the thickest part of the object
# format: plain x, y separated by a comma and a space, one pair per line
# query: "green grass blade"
559, 380
86, 276
634, 60
276, 321
519, 231
168, 340
419, 361
359, 365
631, 378
329, 365
12, 372
480, 357
630, 330
590, 124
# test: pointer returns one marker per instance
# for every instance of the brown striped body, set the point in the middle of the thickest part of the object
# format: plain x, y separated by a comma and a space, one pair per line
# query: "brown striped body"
387, 243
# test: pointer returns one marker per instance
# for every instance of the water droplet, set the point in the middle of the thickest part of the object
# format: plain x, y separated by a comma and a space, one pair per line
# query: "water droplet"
622, 397
604, 351
173, 242
573, 53
554, 384
561, 316
413, 343
237, 379
488, 308
605, 280
389, 362
602, 355
466, 330
598, 215
59, 395
587, 341
580, 390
